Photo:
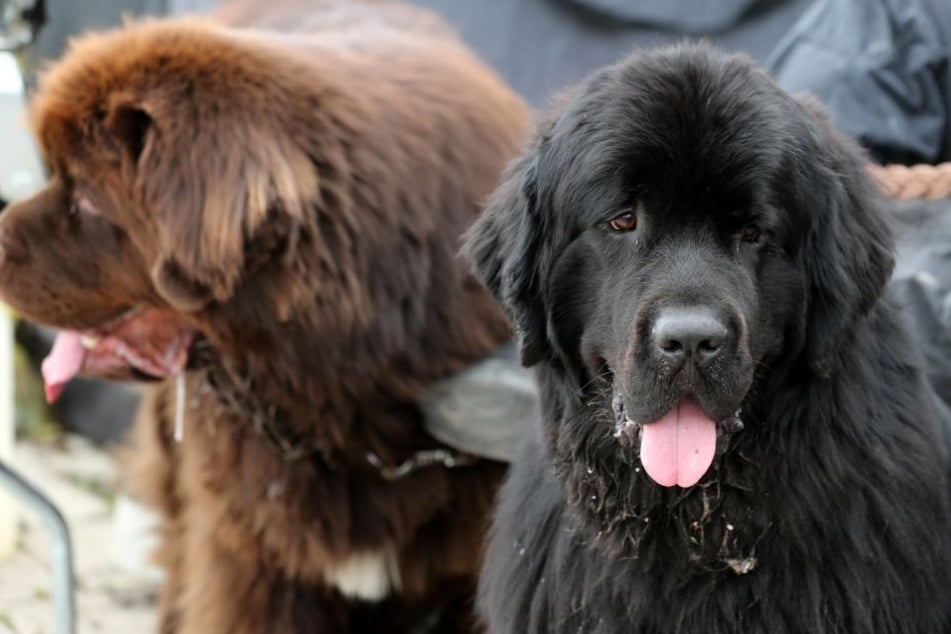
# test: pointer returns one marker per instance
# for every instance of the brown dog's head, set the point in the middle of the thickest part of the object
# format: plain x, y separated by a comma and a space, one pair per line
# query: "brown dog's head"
173, 179
261, 191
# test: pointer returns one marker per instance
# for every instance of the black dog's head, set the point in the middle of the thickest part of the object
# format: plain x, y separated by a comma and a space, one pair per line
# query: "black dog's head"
679, 228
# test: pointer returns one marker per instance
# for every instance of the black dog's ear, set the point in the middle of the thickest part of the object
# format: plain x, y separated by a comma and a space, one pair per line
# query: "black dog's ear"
849, 249
505, 247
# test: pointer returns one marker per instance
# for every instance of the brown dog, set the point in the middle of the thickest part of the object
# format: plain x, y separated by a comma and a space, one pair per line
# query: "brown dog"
274, 216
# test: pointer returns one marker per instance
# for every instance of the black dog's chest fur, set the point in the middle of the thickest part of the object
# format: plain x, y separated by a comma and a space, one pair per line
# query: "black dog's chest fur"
821, 519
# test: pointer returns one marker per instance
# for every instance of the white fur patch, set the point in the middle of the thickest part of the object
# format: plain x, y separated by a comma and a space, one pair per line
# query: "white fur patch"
368, 576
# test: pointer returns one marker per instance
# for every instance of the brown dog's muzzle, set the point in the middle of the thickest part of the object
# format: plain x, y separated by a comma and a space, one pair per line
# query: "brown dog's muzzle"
15, 221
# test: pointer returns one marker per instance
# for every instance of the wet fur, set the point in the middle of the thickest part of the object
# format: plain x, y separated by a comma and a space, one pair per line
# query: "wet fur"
291, 180
830, 512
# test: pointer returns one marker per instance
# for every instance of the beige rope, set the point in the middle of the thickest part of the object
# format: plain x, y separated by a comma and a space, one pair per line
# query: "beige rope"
918, 181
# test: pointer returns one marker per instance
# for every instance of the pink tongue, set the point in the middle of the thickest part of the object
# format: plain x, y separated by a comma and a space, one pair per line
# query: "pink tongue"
63, 363
679, 448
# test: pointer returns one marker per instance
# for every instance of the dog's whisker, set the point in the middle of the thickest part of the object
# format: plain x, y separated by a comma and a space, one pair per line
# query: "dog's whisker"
604, 374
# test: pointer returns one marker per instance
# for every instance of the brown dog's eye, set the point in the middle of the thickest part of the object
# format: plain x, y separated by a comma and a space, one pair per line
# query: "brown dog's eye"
624, 222
81, 205
751, 233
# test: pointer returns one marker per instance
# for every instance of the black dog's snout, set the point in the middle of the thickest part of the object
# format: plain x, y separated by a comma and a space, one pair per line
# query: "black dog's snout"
682, 333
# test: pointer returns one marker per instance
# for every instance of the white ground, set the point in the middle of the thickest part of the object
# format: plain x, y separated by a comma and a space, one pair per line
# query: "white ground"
115, 590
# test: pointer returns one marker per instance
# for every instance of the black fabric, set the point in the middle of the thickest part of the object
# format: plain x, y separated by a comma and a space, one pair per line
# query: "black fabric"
882, 68
66, 18
540, 46
689, 16
921, 284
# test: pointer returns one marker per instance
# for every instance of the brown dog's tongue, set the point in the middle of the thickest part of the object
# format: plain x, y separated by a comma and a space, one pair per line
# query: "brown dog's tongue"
63, 363
151, 341
679, 448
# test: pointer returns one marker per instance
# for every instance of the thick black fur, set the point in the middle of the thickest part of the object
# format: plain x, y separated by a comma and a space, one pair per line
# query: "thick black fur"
830, 512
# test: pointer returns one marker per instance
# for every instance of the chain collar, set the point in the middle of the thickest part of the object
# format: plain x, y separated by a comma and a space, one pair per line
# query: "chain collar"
236, 394
421, 460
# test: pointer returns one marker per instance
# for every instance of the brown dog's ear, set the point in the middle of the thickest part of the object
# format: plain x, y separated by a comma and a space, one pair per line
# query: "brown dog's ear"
849, 249
179, 289
214, 187
129, 124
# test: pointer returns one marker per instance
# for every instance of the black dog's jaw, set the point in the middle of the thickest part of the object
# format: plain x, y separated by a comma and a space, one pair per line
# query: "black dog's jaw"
683, 240
628, 432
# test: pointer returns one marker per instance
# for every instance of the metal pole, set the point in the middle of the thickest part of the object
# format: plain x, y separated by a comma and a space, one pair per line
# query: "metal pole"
61, 547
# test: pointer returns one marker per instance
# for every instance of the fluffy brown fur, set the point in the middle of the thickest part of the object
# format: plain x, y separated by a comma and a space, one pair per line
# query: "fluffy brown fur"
293, 201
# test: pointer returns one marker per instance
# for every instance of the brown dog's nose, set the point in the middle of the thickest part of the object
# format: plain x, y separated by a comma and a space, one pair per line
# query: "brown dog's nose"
681, 334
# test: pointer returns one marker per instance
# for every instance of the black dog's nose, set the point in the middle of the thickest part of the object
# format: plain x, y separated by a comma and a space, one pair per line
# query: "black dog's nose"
688, 333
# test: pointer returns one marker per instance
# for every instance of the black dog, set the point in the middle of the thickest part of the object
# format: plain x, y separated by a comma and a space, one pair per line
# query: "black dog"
695, 261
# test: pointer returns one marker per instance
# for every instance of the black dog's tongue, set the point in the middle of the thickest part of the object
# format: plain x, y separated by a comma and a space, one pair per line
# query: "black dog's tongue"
679, 448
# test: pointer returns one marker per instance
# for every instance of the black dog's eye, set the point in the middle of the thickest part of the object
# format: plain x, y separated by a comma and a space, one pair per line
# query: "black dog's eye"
751, 233
624, 222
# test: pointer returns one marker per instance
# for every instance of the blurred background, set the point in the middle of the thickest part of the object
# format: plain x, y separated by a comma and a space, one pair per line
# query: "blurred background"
882, 67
